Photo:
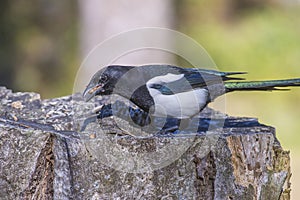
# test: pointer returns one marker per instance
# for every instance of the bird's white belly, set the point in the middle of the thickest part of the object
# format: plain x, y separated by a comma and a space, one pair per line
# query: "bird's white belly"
181, 105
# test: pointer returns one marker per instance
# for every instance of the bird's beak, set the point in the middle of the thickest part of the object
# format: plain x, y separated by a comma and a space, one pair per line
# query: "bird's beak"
90, 92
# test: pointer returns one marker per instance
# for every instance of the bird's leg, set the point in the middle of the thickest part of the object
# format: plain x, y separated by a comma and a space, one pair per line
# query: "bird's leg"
168, 124
169, 129
139, 116
131, 114
104, 111
184, 123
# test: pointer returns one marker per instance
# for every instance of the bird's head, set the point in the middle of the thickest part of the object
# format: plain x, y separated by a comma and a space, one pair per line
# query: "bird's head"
104, 81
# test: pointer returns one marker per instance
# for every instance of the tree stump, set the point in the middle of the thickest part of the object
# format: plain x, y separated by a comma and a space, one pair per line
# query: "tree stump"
44, 155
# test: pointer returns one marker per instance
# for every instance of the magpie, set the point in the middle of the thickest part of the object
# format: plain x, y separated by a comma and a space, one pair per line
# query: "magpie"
172, 91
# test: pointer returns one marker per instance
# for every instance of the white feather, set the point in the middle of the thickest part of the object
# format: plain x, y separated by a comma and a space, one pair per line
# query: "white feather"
180, 105
168, 78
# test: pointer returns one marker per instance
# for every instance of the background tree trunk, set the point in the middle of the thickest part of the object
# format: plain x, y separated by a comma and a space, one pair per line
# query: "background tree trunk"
100, 20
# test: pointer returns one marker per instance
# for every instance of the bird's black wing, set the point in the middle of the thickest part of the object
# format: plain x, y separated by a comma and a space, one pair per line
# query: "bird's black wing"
195, 78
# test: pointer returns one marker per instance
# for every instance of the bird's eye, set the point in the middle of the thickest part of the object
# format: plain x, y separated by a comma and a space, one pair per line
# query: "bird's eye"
103, 78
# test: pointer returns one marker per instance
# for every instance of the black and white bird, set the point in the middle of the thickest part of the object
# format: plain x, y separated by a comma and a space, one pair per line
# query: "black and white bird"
171, 91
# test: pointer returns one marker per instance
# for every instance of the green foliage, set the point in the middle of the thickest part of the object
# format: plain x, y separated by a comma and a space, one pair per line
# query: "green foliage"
38, 46
266, 43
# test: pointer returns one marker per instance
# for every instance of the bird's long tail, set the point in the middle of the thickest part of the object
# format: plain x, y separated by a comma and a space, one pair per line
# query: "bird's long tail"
261, 85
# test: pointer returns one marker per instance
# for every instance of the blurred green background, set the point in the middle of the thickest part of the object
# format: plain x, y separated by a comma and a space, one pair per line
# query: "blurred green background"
40, 52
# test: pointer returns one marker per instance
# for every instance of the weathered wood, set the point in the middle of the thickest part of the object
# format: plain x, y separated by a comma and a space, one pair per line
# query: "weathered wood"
41, 158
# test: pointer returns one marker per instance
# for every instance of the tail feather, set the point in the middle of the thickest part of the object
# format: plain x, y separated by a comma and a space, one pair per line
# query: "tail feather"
233, 73
261, 85
227, 75
219, 73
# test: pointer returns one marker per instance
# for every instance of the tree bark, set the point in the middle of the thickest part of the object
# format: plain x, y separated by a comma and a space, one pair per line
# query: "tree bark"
44, 155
